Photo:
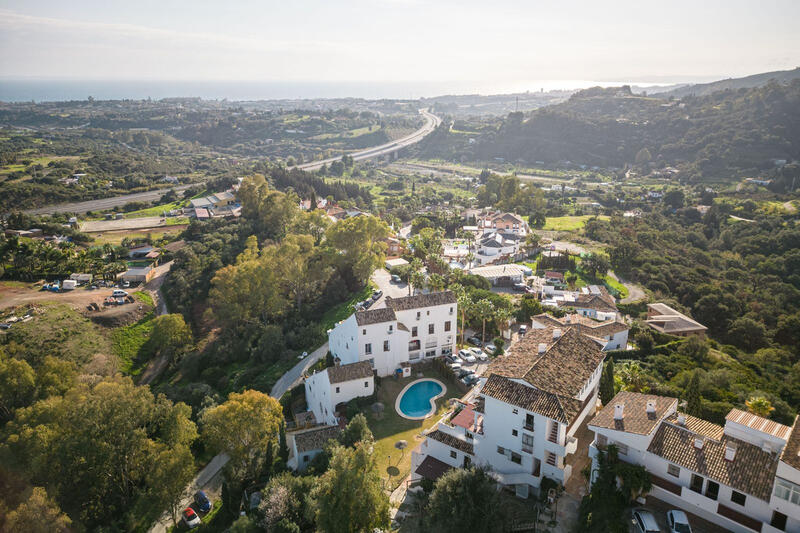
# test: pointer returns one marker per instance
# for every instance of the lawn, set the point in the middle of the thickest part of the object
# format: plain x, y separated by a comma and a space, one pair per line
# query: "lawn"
569, 223
345, 309
129, 343
393, 464
156, 210
117, 237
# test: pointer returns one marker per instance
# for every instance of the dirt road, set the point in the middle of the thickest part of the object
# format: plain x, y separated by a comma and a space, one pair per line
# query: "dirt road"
13, 294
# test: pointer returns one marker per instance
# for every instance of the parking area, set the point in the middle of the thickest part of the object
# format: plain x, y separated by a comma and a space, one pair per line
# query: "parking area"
659, 510
383, 280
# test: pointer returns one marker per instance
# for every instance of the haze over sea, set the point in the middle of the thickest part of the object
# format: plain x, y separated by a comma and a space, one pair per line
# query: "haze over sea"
41, 90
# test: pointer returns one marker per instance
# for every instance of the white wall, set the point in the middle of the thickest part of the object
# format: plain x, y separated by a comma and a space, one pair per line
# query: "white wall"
318, 398
343, 340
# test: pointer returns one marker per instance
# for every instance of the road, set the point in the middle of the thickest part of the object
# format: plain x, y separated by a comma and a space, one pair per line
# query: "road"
104, 203
156, 366
432, 121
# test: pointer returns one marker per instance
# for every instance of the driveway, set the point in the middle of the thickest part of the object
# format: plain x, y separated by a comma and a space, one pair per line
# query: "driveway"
635, 292
383, 280
293, 376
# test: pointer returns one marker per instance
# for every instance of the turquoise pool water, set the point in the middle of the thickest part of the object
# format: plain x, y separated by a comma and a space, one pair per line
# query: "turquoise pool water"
416, 400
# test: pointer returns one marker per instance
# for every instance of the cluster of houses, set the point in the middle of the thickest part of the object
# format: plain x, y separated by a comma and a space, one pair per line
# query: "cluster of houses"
220, 204
332, 210
498, 238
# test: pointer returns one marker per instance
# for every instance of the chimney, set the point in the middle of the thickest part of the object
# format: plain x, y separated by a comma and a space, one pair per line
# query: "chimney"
699, 442
557, 333
651, 407
542, 347
681, 419
730, 451
619, 411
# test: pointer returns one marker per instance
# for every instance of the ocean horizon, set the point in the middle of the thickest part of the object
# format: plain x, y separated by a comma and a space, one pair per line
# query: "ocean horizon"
40, 90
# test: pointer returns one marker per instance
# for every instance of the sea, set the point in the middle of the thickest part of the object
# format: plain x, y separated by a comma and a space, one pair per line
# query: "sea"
42, 90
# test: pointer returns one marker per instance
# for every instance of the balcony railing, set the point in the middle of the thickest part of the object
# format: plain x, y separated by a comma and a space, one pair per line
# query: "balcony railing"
527, 449
572, 445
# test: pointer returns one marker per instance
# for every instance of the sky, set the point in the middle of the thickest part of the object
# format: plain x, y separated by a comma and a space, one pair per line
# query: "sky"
508, 42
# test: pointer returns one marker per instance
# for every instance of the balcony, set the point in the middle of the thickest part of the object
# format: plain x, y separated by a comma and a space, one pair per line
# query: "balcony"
572, 445
431, 344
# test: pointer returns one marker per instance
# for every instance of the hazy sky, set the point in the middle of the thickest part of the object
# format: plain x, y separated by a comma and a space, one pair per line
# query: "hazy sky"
396, 40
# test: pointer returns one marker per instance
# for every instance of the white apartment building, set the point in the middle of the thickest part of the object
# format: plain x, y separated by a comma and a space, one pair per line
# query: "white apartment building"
593, 301
337, 385
406, 331
609, 334
744, 476
523, 423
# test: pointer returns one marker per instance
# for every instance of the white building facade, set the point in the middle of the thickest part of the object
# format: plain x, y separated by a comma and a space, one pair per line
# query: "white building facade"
523, 424
744, 476
406, 331
336, 385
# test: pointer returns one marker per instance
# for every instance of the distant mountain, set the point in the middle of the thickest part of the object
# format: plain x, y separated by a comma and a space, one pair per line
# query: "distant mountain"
748, 82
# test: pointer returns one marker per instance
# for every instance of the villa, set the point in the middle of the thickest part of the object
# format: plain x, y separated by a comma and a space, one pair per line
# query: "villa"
609, 334
665, 319
744, 476
337, 385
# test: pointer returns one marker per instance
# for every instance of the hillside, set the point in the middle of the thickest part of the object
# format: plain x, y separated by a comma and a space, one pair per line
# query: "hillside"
720, 136
748, 82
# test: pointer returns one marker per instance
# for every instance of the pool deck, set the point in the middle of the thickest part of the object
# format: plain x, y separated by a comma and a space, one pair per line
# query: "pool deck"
433, 399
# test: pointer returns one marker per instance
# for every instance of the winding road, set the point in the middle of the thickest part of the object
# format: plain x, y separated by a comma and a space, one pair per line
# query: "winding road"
431, 123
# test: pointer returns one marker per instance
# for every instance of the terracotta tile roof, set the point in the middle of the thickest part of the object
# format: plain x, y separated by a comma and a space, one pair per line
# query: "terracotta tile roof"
375, 316
791, 452
561, 408
451, 441
465, 419
565, 366
342, 373
698, 425
551, 274
315, 439
421, 300
752, 470
635, 418
599, 302
759, 423
588, 325
432, 468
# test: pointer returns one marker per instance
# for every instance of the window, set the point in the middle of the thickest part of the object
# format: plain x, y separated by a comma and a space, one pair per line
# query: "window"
418, 315
551, 459
673, 470
738, 497
778, 521
602, 441
363, 331
391, 328
430, 329
453, 454
368, 348
469, 435
305, 458
451, 310
430, 353
366, 384
385, 346
712, 489
696, 484
787, 490
622, 448
527, 443
514, 432
529, 421
414, 331
337, 389
427, 313
501, 450
515, 411
447, 326
516, 458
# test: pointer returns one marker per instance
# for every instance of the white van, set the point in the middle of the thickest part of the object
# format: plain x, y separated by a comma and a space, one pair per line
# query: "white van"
119, 293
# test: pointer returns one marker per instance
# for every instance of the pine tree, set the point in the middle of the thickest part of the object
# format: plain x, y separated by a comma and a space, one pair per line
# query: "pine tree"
693, 400
607, 383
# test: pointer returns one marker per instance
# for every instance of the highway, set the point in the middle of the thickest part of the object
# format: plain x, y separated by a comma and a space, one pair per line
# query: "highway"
432, 121
104, 203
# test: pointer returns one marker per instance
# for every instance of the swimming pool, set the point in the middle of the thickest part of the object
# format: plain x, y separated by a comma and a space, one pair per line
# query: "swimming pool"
418, 400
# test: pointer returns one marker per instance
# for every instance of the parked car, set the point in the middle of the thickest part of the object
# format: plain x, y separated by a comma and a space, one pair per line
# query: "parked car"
464, 372
119, 293
530, 290
469, 358
520, 287
126, 284
202, 502
470, 380
455, 367
482, 357
475, 341
452, 358
396, 278
377, 294
523, 329
366, 304
463, 353
190, 518
645, 522
5, 325
678, 522
491, 349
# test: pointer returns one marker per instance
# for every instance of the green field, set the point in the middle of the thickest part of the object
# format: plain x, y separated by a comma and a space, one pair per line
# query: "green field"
569, 223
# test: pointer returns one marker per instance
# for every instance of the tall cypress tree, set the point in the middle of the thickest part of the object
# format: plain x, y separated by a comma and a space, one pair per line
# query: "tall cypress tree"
607, 383
694, 404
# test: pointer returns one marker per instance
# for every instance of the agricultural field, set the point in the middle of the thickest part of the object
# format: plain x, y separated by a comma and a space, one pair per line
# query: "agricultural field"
569, 223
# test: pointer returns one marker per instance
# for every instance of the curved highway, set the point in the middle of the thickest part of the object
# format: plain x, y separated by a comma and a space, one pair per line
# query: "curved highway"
431, 122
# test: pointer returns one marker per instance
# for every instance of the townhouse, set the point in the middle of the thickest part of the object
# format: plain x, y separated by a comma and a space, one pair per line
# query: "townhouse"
406, 331
609, 334
523, 423
328, 389
744, 476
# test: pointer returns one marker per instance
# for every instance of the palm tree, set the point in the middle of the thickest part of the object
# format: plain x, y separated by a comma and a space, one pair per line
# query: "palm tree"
464, 305
436, 283
633, 377
415, 276
759, 406
485, 310
502, 316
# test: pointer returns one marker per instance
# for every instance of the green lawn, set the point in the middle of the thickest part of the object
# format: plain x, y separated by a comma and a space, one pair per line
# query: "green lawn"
118, 237
129, 343
345, 309
569, 223
393, 464
156, 210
